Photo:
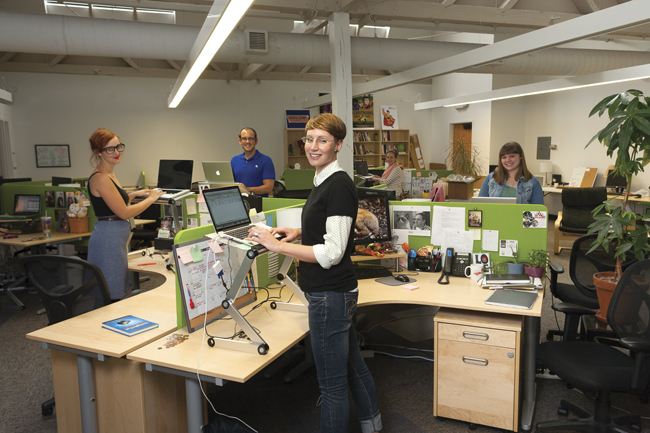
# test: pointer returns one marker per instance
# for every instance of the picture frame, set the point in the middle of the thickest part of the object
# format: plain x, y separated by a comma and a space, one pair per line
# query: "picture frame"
475, 218
52, 155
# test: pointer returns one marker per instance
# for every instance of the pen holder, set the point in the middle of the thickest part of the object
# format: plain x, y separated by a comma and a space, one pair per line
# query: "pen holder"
424, 264
411, 263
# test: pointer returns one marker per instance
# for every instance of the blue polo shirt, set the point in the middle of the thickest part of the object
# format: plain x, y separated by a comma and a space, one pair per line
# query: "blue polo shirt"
252, 172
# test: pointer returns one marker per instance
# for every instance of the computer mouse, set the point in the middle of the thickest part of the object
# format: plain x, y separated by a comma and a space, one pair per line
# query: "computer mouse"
402, 278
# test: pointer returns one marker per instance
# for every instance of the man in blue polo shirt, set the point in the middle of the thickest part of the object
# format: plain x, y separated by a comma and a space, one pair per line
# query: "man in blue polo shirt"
252, 169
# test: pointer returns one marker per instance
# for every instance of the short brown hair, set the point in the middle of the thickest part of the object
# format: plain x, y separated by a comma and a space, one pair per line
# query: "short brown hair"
98, 140
328, 122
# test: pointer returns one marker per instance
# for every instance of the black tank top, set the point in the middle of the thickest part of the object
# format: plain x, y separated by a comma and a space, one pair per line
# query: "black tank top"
100, 206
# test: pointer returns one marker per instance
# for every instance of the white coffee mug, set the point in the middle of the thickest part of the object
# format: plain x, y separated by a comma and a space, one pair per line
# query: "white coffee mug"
475, 271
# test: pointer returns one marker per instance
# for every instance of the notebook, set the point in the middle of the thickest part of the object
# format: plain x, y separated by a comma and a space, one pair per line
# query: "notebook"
507, 279
229, 215
174, 176
25, 206
512, 298
218, 172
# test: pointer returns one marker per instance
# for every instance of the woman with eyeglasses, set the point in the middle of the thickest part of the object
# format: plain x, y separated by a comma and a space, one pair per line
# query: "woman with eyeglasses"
107, 245
328, 279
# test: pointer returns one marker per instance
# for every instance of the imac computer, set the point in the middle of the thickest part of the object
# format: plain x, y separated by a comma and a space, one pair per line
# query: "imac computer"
373, 217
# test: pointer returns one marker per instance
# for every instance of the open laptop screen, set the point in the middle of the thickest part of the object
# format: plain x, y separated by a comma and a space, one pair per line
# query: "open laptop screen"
27, 204
175, 173
226, 207
361, 167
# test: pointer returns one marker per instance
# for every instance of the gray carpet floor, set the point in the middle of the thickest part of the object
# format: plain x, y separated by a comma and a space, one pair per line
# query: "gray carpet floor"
401, 367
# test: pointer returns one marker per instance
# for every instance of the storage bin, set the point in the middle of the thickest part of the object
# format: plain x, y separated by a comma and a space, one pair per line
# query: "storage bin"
78, 225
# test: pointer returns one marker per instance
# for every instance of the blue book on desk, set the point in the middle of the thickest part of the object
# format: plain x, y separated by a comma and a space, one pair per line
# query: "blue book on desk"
129, 325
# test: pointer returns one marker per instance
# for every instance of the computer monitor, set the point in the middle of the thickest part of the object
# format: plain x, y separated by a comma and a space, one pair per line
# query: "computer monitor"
373, 218
15, 179
56, 181
616, 181
175, 174
507, 200
361, 167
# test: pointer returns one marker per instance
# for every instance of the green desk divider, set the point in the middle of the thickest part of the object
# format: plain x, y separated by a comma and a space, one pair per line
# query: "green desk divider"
298, 179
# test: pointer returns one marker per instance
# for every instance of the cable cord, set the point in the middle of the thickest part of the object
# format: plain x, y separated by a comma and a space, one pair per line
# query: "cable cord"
204, 333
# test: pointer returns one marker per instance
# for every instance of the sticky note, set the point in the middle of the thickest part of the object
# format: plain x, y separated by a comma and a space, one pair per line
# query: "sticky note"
195, 251
410, 287
214, 245
184, 255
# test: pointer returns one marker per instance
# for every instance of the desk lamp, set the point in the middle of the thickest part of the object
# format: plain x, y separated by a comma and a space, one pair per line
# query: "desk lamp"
547, 169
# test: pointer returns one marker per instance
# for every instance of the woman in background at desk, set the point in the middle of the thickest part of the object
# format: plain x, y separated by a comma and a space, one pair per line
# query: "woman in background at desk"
328, 279
512, 178
107, 245
392, 176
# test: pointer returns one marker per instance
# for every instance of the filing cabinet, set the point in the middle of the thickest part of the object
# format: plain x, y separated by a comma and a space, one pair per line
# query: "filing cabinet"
476, 367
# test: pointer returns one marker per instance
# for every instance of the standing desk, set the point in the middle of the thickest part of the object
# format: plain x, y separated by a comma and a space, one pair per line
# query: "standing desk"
282, 329
85, 355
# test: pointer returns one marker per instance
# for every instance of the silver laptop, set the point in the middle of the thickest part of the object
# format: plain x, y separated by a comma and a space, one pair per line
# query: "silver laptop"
228, 212
218, 172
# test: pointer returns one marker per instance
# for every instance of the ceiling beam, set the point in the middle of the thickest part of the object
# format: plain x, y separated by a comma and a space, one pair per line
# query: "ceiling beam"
173, 64
57, 60
6, 57
507, 4
446, 3
586, 6
132, 64
622, 16
251, 69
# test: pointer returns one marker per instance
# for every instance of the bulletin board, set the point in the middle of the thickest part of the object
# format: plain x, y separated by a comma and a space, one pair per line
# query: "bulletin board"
199, 284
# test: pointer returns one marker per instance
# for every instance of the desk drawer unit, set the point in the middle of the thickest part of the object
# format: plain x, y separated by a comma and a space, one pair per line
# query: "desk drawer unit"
476, 368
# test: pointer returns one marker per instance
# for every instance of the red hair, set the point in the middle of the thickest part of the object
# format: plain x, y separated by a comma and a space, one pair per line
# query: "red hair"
98, 140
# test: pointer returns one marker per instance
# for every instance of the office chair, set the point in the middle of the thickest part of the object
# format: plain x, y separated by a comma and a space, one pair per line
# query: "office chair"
579, 298
68, 287
600, 368
577, 207
278, 189
144, 235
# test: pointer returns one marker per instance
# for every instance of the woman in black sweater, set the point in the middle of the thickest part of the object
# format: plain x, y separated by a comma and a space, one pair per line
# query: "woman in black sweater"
328, 279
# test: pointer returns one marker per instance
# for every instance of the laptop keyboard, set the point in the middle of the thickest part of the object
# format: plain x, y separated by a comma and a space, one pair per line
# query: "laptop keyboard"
241, 232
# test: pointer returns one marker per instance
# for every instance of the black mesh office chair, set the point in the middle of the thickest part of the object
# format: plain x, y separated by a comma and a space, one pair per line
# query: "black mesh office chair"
577, 207
580, 297
143, 236
68, 287
600, 368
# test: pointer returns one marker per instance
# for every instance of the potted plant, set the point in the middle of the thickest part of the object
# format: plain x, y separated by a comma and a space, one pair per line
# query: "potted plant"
463, 158
627, 138
515, 266
537, 263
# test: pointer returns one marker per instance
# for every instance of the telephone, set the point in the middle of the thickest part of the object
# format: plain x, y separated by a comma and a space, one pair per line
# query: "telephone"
460, 262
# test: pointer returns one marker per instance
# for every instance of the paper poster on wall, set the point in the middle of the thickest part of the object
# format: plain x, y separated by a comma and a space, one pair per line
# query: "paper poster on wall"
297, 119
389, 117
416, 220
535, 219
446, 218
363, 115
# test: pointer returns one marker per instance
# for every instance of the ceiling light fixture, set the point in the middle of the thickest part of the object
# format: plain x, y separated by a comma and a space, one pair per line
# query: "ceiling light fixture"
596, 79
220, 22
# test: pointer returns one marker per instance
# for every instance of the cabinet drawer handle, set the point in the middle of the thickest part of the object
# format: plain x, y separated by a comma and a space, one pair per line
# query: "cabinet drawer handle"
475, 361
476, 336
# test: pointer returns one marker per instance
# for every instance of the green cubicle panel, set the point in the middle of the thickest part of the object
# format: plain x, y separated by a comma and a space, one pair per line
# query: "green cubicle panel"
298, 179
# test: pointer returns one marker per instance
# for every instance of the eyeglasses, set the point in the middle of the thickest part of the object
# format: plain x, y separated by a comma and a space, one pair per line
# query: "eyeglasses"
320, 141
110, 150
247, 138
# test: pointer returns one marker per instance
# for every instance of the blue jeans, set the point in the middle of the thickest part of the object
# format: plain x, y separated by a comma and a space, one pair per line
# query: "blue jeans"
339, 363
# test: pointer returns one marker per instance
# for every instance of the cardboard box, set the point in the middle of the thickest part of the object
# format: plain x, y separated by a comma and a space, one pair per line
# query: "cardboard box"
460, 190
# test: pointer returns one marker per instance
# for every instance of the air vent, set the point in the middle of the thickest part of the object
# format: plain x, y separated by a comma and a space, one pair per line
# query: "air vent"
257, 41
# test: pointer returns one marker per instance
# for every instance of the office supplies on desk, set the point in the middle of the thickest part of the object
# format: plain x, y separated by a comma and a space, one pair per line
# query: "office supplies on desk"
129, 325
512, 298
502, 279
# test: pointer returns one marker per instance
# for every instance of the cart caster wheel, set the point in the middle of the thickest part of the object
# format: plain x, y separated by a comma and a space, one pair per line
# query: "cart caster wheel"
562, 411
472, 426
50, 411
211, 342
274, 305
263, 349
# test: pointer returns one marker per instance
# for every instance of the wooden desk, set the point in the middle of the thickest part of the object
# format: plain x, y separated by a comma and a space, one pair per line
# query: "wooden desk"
85, 356
35, 239
282, 329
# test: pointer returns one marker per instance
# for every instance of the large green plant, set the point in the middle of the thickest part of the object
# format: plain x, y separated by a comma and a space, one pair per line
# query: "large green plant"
463, 158
627, 138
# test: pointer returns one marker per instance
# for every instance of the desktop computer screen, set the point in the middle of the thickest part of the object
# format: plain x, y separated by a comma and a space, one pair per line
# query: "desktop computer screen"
373, 217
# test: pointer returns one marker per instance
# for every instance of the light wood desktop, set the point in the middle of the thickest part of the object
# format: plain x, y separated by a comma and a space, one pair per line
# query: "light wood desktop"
83, 352
282, 329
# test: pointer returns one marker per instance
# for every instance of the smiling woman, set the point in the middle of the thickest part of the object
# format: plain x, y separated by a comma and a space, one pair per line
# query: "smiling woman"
511, 178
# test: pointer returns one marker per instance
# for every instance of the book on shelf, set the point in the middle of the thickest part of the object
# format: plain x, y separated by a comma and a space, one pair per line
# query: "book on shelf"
129, 325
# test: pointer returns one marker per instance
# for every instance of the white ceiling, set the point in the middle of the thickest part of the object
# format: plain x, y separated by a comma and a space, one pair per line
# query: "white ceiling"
473, 21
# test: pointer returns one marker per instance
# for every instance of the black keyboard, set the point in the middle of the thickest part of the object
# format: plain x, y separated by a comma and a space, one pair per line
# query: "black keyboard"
372, 271
241, 232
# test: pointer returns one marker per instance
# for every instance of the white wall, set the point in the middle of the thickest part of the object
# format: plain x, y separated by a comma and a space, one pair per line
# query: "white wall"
478, 114
66, 109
